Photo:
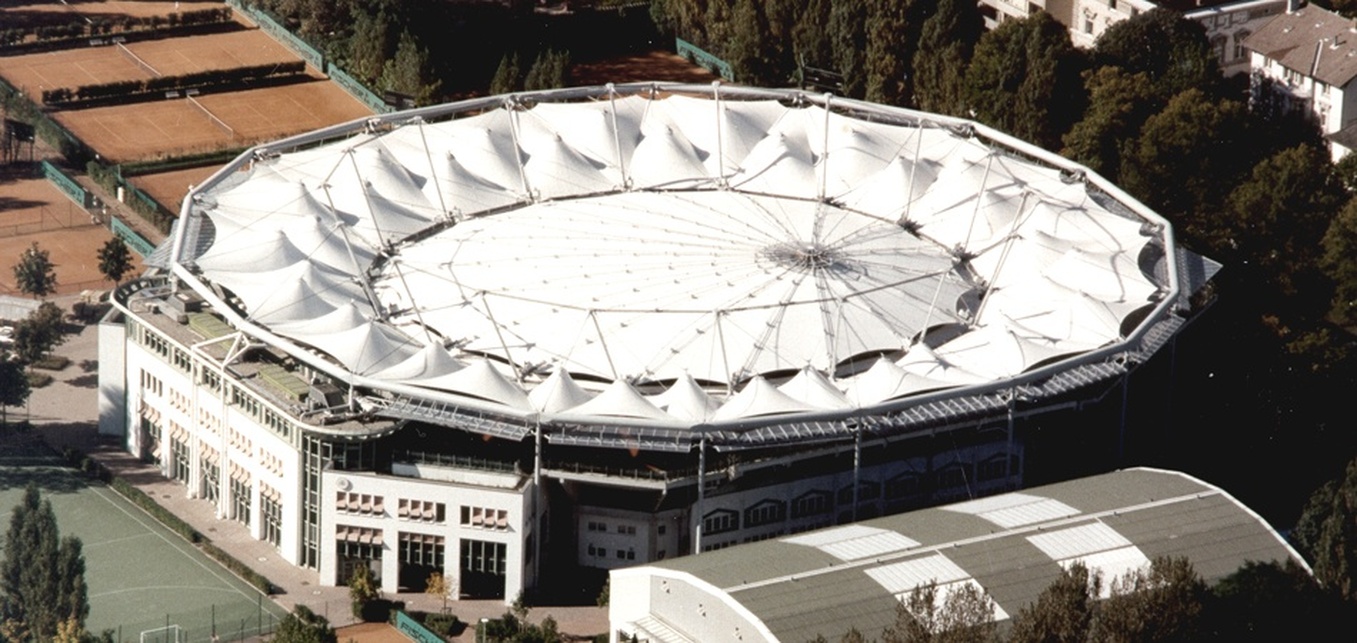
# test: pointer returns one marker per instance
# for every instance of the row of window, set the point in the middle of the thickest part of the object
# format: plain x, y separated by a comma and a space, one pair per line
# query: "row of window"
152, 384
360, 504
421, 510
628, 530
622, 554
485, 517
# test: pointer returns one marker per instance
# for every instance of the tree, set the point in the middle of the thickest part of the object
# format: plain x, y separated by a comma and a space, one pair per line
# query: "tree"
1163, 603
1062, 612
1327, 533
36, 335
14, 387
439, 586
1264, 602
848, 41
752, 50
1024, 78
114, 260
892, 35
506, 79
1277, 221
42, 582
1340, 262
962, 614
370, 46
304, 626
946, 42
811, 43
362, 589
1170, 50
1187, 157
409, 72
1119, 104
549, 71
34, 274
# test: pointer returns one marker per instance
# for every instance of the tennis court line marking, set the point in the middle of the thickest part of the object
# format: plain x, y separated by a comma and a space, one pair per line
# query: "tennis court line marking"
114, 541
100, 492
127, 590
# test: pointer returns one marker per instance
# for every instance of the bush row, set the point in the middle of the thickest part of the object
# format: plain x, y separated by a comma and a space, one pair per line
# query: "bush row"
122, 24
139, 498
19, 107
240, 569
147, 209
52, 363
201, 79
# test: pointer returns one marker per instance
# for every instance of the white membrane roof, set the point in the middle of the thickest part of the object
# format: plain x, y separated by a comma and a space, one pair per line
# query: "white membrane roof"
761, 255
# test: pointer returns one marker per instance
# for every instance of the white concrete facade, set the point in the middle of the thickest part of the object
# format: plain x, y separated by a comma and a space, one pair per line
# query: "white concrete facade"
1228, 25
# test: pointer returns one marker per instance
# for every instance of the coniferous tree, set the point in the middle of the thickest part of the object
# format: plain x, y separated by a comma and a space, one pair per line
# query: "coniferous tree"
946, 42
848, 41
409, 72
549, 71
42, 581
811, 43
506, 79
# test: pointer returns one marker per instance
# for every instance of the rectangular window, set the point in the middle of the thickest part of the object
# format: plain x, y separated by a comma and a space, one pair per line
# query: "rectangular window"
272, 513
240, 501
179, 463
421, 549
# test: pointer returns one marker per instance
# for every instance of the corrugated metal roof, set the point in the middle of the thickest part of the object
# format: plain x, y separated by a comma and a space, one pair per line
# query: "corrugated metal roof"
1113, 522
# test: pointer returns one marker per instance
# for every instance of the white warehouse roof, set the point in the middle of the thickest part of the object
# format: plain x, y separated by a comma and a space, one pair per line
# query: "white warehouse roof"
674, 255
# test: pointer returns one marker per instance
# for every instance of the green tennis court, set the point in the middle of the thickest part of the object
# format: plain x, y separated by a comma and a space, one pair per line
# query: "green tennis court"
141, 576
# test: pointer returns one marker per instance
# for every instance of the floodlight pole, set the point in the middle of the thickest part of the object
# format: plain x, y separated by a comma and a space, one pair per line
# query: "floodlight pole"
857, 466
537, 504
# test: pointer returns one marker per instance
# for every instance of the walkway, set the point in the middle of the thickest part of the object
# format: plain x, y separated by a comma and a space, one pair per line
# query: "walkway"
67, 413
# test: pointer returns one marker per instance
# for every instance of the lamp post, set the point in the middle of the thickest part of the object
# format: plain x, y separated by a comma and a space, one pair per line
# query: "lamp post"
480, 631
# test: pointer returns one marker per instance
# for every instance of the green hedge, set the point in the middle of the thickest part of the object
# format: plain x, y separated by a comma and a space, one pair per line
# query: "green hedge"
141, 203
147, 503
81, 28
38, 380
20, 108
240, 569
128, 89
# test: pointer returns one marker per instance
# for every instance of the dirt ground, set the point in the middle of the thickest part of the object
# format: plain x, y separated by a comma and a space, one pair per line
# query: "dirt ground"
177, 126
170, 56
650, 66
169, 188
73, 250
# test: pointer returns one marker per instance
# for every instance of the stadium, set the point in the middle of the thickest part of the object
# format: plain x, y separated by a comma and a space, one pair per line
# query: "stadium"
595, 327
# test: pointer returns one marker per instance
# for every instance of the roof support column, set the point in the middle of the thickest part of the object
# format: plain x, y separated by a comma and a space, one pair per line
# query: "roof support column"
857, 467
1121, 431
537, 506
1008, 463
701, 494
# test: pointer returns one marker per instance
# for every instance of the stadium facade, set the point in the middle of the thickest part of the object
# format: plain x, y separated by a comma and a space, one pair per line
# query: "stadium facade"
597, 327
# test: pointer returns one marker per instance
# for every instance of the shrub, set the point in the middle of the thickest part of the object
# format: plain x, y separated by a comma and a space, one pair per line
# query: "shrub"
149, 505
442, 624
52, 363
238, 568
38, 380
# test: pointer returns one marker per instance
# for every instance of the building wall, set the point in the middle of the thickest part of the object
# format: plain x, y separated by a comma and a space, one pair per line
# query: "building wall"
1228, 25
112, 375
681, 604
460, 512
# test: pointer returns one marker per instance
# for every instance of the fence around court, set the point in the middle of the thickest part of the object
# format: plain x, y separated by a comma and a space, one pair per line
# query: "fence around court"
212, 625
703, 57
67, 185
49, 218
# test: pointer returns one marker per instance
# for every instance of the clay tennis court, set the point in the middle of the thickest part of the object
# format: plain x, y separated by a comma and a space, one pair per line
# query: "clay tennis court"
72, 68
169, 188
166, 128
32, 210
652, 65
25, 13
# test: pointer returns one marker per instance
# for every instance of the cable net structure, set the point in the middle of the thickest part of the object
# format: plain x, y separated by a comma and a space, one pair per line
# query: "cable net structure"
676, 256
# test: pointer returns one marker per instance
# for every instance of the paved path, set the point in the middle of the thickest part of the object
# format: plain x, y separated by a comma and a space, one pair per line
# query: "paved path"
66, 412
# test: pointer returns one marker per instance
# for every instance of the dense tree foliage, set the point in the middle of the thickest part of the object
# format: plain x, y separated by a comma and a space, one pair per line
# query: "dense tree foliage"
114, 260
1062, 613
1119, 104
1024, 78
304, 626
34, 273
1327, 533
42, 575
964, 614
14, 387
1172, 52
37, 334
946, 41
